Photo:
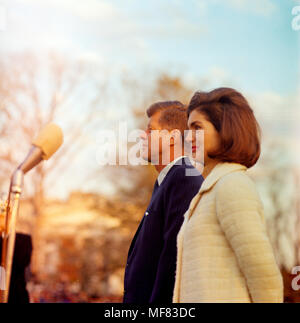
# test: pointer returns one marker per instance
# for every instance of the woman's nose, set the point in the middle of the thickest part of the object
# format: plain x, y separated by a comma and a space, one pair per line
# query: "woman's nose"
189, 136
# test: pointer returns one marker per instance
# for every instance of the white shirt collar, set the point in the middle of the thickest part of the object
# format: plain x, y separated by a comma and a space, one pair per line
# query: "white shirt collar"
166, 169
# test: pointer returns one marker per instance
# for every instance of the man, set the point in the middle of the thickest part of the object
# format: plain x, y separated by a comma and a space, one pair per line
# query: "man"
151, 265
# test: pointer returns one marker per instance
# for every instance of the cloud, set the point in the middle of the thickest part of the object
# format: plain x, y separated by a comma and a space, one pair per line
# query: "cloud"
218, 74
87, 9
270, 106
278, 115
176, 28
260, 7
91, 57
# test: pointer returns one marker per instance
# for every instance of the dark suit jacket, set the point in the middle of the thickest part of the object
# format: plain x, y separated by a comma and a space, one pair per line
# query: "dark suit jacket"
151, 265
22, 255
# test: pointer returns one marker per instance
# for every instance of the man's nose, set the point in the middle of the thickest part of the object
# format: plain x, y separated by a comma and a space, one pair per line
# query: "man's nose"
143, 135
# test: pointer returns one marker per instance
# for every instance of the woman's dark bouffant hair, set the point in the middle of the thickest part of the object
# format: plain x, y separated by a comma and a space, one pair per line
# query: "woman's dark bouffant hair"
232, 117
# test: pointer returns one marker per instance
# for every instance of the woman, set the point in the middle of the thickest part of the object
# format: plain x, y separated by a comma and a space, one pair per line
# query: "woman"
224, 254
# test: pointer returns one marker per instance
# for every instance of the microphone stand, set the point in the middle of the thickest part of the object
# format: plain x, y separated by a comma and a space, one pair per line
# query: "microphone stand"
9, 235
43, 148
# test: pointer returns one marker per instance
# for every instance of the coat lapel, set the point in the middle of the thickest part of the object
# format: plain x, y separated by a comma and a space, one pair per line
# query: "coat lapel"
218, 172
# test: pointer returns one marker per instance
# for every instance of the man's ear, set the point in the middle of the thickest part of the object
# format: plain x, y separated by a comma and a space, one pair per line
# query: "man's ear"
172, 141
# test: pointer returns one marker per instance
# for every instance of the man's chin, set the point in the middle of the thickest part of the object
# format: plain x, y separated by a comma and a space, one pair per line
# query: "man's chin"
150, 160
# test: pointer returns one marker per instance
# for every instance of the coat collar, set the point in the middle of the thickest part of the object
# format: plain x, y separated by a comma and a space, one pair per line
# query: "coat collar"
166, 170
220, 170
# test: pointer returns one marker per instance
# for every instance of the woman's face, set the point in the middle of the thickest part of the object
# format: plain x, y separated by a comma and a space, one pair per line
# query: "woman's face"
210, 142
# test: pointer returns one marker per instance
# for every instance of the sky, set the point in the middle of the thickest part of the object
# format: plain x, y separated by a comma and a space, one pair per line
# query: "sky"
249, 40
249, 44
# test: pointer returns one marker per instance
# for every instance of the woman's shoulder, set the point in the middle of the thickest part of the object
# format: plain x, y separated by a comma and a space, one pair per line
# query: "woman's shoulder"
237, 184
237, 176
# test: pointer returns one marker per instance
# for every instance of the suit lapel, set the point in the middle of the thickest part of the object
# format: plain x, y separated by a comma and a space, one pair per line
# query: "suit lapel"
135, 237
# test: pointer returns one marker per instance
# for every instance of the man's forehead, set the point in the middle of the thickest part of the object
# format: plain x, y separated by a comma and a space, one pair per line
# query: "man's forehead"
154, 120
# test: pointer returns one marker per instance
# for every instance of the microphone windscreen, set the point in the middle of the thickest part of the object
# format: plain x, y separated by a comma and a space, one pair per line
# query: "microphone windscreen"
49, 140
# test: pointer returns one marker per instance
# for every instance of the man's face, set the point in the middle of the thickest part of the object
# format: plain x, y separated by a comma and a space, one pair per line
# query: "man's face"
2, 222
2, 216
155, 141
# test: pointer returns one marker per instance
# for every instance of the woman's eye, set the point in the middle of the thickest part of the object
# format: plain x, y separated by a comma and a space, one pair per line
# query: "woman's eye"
198, 127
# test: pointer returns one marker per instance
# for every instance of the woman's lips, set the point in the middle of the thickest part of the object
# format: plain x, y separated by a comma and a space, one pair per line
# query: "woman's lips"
194, 149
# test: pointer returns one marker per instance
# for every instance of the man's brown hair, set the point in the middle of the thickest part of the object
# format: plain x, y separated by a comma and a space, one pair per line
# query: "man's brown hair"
232, 117
173, 114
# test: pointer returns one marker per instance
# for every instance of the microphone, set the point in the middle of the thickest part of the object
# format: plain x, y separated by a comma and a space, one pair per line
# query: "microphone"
43, 147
